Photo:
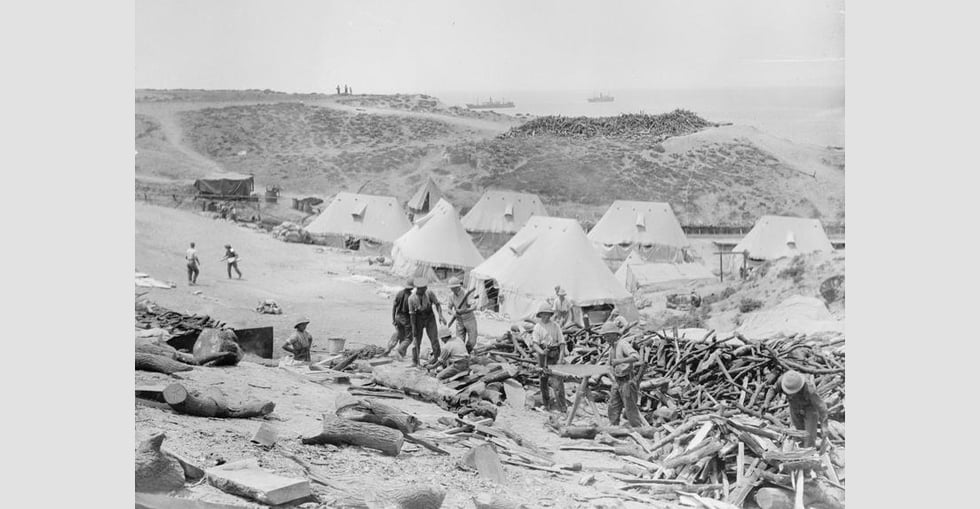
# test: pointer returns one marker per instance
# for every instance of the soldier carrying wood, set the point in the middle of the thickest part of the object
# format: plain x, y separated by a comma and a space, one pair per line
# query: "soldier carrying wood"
625, 388
462, 310
806, 408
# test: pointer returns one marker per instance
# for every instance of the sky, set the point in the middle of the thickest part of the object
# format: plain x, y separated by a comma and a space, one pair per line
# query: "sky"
532, 45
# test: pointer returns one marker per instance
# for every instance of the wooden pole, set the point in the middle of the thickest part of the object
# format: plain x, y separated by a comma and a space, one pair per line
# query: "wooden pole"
721, 266
584, 386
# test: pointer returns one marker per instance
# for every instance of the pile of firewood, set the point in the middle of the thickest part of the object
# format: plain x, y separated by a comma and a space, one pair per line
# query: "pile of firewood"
152, 316
675, 123
683, 377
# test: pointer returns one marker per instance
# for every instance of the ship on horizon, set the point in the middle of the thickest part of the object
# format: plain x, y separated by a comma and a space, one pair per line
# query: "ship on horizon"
602, 98
490, 105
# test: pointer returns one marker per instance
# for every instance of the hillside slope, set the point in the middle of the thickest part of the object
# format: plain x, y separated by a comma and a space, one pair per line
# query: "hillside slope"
321, 144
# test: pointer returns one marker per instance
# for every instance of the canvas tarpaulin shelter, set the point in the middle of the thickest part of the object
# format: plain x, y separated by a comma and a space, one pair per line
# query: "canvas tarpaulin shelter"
498, 215
549, 252
426, 198
774, 237
226, 184
436, 241
645, 226
638, 274
373, 221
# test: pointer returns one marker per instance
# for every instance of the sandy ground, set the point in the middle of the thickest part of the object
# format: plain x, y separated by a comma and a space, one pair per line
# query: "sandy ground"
316, 282
303, 279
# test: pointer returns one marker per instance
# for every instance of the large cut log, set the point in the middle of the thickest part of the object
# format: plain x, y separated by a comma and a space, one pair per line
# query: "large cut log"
412, 381
337, 431
217, 347
246, 479
166, 350
496, 501
211, 404
407, 496
157, 471
155, 501
159, 364
367, 410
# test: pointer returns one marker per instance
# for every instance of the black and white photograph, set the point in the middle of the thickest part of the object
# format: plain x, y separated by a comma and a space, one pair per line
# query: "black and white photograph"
491, 255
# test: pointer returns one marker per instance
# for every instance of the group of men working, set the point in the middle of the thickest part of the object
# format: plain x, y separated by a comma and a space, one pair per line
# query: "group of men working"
416, 309
194, 263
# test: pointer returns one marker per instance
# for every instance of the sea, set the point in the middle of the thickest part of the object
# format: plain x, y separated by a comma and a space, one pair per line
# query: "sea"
801, 114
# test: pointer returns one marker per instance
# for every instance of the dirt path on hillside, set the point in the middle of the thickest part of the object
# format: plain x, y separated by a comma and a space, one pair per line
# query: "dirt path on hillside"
167, 115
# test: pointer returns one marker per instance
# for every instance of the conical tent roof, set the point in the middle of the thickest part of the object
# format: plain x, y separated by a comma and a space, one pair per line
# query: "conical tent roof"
436, 240
768, 239
378, 218
503, 212
426, 197
639, 222
548, 252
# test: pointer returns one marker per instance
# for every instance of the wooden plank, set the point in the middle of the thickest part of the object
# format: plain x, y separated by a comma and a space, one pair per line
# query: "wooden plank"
516, 395
535, 467
150, 392
485, 460
266, 435
245, 478
699, 436
357, 392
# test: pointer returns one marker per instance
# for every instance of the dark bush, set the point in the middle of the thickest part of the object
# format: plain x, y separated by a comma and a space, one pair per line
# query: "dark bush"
748, 305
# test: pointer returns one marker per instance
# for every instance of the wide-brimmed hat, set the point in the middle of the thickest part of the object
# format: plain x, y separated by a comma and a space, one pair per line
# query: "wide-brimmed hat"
561, 292
545, 309
791, 382
410, 283
609, 327
301, 321
454, 282
227, 246
444, 332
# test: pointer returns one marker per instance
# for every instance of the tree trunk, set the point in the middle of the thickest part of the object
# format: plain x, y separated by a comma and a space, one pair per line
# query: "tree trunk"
167, 351
412, 381
157, 471
398, 497
491, 501
215, 345
407, 497
159, 364
338, 431
366, 410
212, 405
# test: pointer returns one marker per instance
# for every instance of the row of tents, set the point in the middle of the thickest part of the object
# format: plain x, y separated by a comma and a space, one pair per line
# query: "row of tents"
515, 254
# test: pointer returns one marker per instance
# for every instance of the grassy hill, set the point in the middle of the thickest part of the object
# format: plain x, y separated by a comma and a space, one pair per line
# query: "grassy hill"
321, 144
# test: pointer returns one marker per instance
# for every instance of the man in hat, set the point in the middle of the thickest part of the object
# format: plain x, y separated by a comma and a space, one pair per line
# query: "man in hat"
400, 317
806, 407
563, 308
422, 318
300, 341
193, 265
453, 357
625, 389
548, 342
462, 309
232, 257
